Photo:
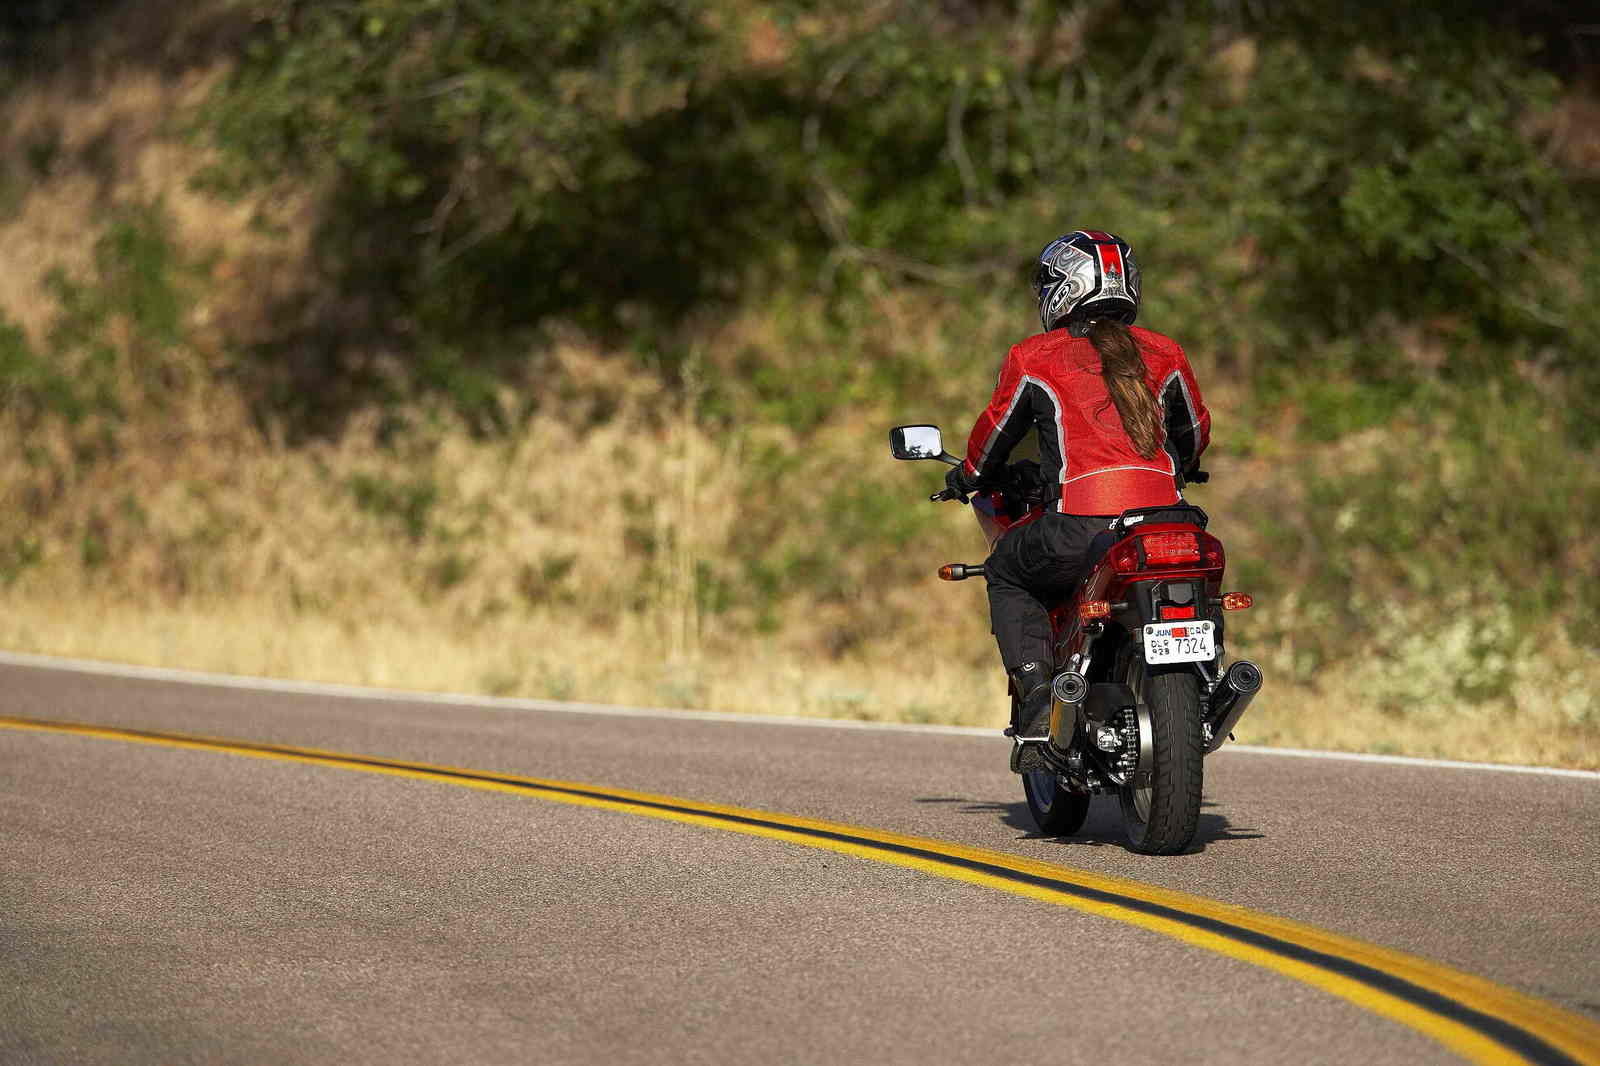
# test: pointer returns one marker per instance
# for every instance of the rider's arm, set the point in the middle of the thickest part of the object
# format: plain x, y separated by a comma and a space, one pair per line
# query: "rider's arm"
1003, 423
1184, 413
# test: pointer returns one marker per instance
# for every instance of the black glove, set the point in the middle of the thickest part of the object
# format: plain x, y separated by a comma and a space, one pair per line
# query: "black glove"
1024, 487
958, 484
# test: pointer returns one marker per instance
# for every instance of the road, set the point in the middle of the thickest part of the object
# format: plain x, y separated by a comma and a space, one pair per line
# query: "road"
166, 903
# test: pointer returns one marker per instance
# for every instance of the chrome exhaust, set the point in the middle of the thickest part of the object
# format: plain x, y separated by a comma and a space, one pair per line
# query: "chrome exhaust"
1231, 699
1066, 707
1070, 687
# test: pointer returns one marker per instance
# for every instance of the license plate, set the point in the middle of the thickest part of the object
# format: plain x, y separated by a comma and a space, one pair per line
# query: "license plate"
1179, 642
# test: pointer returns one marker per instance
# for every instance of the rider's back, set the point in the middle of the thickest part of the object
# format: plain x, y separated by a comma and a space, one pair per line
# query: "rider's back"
1053, 382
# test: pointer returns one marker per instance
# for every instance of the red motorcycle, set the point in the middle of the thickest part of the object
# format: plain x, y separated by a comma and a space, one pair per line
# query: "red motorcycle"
1140, 695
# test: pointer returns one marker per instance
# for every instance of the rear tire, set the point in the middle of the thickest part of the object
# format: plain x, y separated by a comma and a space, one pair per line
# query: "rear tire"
1163, 818
1057, 812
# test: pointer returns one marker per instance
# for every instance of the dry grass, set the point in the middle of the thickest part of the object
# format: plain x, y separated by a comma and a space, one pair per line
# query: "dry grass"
1406, 703
541, 656
563, 562
566, 560
548, 655
108, 129
578, 580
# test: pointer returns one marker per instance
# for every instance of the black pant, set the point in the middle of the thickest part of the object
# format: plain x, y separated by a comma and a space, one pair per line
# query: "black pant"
1031, 566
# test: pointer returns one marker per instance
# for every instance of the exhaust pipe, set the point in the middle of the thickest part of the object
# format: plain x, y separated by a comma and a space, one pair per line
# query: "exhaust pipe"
1231, 699
1070, 687
1066, 707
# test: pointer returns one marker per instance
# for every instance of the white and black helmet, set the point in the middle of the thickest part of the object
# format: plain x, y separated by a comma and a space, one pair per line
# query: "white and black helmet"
1086, 274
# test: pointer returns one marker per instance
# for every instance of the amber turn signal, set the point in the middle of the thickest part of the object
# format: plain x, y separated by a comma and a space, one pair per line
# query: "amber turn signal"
1093, 609
1238, 601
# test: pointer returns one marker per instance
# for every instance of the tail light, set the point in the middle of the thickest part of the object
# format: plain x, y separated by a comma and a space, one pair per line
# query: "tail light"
1181, 549
1125, 557
1171, 549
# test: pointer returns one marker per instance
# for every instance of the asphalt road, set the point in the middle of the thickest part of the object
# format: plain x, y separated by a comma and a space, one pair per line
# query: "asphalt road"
166, 905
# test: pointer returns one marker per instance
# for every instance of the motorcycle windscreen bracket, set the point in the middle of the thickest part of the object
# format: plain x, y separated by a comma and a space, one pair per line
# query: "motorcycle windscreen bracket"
1179, 642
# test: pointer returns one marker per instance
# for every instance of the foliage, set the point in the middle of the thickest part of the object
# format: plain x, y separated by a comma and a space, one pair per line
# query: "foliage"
491, 165
1468, 508
23, 21
497, 167
116, 333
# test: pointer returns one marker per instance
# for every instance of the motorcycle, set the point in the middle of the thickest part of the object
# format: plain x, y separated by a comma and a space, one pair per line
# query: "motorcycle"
1139, 694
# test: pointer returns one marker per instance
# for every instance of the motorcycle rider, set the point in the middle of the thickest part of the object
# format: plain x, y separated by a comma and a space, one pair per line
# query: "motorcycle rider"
1120, 422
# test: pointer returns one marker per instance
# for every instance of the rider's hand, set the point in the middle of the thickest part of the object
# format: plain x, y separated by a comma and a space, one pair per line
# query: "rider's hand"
959, 483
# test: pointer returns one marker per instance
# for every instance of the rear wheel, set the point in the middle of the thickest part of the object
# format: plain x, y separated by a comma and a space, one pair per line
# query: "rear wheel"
1057, 811
1162, 813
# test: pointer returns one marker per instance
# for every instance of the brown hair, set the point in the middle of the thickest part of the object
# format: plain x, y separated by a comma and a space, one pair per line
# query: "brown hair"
1123, 368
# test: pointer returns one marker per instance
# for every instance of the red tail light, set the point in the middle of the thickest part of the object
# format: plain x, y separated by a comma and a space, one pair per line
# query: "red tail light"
1176, 614
1125, 557
1171, 549
1179, 549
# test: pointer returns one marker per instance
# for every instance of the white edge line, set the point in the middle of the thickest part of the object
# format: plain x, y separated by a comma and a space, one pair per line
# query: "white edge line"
1411, 760
505, 703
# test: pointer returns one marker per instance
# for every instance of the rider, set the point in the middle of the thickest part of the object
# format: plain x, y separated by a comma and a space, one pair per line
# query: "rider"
1120, 423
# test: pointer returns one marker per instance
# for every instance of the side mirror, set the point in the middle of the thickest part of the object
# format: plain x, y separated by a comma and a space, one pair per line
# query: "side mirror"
919, 442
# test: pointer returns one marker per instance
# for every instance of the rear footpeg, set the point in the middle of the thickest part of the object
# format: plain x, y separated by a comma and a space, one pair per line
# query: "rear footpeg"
1027, 754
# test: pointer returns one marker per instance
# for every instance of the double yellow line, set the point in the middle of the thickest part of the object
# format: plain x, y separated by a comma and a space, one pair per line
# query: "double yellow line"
1481, 1021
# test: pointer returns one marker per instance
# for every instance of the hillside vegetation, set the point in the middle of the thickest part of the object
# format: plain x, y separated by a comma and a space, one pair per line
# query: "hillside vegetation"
549, 348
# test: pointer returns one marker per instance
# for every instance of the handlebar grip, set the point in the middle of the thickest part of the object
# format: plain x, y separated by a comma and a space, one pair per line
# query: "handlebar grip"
947, 494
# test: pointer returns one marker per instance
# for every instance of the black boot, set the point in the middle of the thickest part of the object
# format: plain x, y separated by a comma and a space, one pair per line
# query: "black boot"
1031, 681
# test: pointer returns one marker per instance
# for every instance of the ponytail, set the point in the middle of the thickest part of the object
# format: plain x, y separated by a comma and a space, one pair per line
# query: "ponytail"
1124, 371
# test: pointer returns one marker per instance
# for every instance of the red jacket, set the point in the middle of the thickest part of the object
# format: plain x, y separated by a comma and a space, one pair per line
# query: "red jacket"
1051, 382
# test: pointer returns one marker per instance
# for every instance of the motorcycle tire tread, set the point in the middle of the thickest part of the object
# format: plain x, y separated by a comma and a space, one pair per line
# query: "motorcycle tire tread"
1174, 702
1063, 814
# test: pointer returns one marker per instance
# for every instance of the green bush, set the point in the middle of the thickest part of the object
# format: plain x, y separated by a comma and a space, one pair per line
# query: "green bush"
139, 280
1292, 182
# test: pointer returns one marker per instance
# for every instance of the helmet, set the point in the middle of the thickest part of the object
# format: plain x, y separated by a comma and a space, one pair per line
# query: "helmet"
1086, 274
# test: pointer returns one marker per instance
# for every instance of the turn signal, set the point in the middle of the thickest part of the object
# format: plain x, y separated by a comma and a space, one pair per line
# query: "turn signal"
1092, 609
1238, 601
960, 571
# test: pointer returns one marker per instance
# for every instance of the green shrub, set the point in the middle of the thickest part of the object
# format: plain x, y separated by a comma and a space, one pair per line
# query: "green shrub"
408, 504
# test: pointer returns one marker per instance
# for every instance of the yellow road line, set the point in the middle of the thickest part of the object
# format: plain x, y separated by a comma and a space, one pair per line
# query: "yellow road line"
1481, 1021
